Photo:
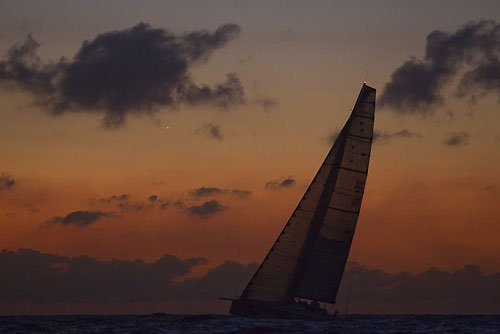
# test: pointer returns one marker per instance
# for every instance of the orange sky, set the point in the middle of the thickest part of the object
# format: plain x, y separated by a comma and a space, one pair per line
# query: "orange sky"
426, 204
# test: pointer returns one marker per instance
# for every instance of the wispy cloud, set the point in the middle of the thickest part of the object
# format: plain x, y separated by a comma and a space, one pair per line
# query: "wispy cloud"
211, 130
241, 193
210, 191
79, 218
384, 137
206, 191
456, 139
206, 210
114, 198
280, 184
267, 103
6, 181
124, 202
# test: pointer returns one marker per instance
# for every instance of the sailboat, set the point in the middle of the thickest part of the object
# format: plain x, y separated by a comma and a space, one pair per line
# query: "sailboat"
303, 269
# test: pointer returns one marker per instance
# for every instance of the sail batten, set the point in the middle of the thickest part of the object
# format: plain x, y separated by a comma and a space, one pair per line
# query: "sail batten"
309, 256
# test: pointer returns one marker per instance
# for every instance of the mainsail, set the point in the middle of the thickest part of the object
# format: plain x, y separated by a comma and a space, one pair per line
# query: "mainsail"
308, 258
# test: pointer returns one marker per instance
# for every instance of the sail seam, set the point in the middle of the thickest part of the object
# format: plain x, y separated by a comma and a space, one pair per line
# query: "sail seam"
354, 170
360, 137
343, 210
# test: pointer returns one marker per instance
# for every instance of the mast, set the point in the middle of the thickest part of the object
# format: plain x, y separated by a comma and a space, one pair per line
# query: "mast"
309, 256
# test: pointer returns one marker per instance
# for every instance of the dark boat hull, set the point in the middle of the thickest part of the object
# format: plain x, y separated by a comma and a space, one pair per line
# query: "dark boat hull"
253, 309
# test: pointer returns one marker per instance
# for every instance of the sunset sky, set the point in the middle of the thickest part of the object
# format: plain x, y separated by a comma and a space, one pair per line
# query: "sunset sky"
190, 128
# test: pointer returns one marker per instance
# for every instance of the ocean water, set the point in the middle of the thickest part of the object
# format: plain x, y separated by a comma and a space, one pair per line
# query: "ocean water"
165, 323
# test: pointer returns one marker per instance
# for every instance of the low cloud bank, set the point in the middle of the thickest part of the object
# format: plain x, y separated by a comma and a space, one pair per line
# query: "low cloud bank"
28, 276
31, 276
463, 291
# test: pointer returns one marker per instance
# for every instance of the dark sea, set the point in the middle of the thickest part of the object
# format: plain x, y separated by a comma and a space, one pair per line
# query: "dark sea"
165, 323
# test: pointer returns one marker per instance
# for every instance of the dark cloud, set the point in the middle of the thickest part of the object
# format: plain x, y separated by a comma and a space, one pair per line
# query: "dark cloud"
124, 72
206, 191
6, 181
414, 88
123, 202
154, 201
179, 204
79, 218
267, 103
210, 191
114, 198
227, 94
470, 54
384, 137
211, 130
241, 193
138, 206
286, 183
206, 210
463, 291
482, 79
29, 275
456, 139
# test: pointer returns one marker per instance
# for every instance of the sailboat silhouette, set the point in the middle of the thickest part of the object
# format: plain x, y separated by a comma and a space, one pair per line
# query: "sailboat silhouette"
301, 274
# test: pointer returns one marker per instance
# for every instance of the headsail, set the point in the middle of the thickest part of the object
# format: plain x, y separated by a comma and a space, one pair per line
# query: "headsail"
320, 275
308, 258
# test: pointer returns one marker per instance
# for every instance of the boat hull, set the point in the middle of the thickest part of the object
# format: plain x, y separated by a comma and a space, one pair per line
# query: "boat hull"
254, 309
